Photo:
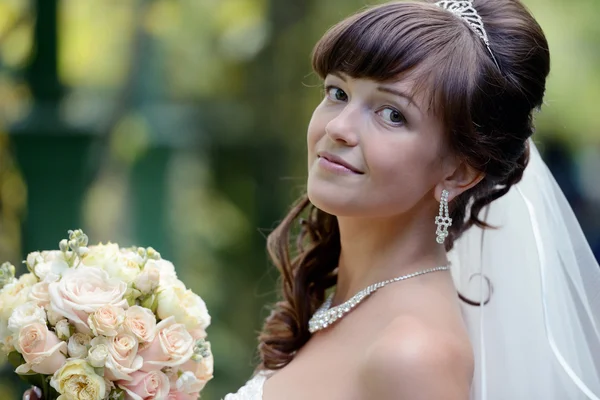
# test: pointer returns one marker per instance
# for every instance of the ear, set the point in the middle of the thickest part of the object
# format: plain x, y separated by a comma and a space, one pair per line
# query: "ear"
461, 179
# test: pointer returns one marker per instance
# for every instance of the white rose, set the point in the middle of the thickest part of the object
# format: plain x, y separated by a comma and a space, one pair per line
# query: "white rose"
141, 322
106, 320
26, 314
11, 296
101, 255
148, 279
52, 262
124, 269
82, 291
186, 306
39, 294
132, 256
167, 271
79, 345
63, 329
32, 259
98, 353
120, 264
53, 317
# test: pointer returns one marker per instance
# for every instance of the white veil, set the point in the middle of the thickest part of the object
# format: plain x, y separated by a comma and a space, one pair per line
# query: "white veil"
538, 338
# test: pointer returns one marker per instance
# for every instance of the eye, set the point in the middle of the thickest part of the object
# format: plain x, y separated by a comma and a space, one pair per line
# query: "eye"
335, 93
392, 115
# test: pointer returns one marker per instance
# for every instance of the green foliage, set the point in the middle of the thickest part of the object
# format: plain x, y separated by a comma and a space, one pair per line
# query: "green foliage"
33, 379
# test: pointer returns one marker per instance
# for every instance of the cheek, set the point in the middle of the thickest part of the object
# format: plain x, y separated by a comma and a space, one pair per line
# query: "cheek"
400, 174
316, 130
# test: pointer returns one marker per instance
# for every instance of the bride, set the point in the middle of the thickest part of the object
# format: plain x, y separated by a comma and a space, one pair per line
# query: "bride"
433, 256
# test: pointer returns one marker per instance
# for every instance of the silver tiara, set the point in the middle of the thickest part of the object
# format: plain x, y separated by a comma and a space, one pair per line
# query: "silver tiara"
467, 12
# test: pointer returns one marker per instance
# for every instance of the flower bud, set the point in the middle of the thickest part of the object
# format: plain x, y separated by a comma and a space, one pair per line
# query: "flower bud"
63, 245
7, 274
97, 355
63, 329
78, 345
153, 254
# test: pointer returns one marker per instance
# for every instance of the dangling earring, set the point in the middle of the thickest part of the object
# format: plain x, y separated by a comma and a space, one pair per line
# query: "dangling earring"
443, 221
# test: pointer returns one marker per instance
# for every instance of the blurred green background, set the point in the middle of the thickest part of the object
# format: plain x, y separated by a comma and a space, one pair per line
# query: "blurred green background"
180, 124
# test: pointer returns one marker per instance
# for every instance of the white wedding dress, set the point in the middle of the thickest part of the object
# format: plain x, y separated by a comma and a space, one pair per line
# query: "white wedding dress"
252, 390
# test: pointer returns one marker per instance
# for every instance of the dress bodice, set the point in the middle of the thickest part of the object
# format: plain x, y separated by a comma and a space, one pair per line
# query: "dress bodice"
252, 390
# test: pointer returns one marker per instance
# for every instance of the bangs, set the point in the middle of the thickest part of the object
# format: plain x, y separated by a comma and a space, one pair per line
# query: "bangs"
405, 40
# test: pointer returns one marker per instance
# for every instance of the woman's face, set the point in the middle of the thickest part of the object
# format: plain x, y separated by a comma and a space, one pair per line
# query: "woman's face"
373, 151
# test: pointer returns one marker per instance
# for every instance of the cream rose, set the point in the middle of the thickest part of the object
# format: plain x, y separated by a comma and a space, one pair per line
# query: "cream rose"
78, 345
173, 345
82, 291
101, 255
106, 320
12, 296
186, 306
166, 271
43, 352
123, 265
53, 317
123, 358
146, 385
47, 263
26, 314
32, 259
98, 353
149, 279
141, 322
77, 380
39, 294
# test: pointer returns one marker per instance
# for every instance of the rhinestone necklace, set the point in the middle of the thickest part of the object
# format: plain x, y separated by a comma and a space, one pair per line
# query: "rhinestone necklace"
326, 316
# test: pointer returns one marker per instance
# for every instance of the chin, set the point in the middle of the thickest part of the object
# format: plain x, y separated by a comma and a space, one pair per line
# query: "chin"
333, 200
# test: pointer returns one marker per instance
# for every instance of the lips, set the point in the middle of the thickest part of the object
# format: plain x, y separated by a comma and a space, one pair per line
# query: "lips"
338, 160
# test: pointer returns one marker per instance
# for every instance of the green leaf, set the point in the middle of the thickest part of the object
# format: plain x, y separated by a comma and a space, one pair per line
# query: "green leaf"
15, 359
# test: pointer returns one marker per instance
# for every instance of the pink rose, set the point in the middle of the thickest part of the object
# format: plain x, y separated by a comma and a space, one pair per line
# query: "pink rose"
82, 291
176, 395
187, 382
123, 359
173, 345
141, 322
146, 386
192, 376
106, 320
43, 352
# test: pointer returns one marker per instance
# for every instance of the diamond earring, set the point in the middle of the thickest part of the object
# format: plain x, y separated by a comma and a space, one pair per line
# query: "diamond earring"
443, 221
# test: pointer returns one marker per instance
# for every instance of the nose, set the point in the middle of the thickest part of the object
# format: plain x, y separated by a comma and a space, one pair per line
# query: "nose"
343, 128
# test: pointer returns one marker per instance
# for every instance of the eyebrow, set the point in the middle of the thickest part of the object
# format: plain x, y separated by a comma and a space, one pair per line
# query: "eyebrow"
386, 89
399, 93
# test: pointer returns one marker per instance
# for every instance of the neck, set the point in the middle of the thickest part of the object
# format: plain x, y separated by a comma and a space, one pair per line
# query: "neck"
377, 249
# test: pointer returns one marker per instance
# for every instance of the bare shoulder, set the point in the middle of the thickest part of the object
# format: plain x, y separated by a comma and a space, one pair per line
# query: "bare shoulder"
412, 360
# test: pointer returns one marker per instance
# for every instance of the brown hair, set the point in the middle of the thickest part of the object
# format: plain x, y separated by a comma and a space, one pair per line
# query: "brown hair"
487, 112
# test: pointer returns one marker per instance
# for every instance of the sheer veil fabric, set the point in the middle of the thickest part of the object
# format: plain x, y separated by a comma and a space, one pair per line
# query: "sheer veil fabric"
538, 336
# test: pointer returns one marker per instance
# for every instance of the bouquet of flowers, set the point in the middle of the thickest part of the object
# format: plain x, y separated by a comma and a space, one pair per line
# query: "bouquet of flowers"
103, 322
